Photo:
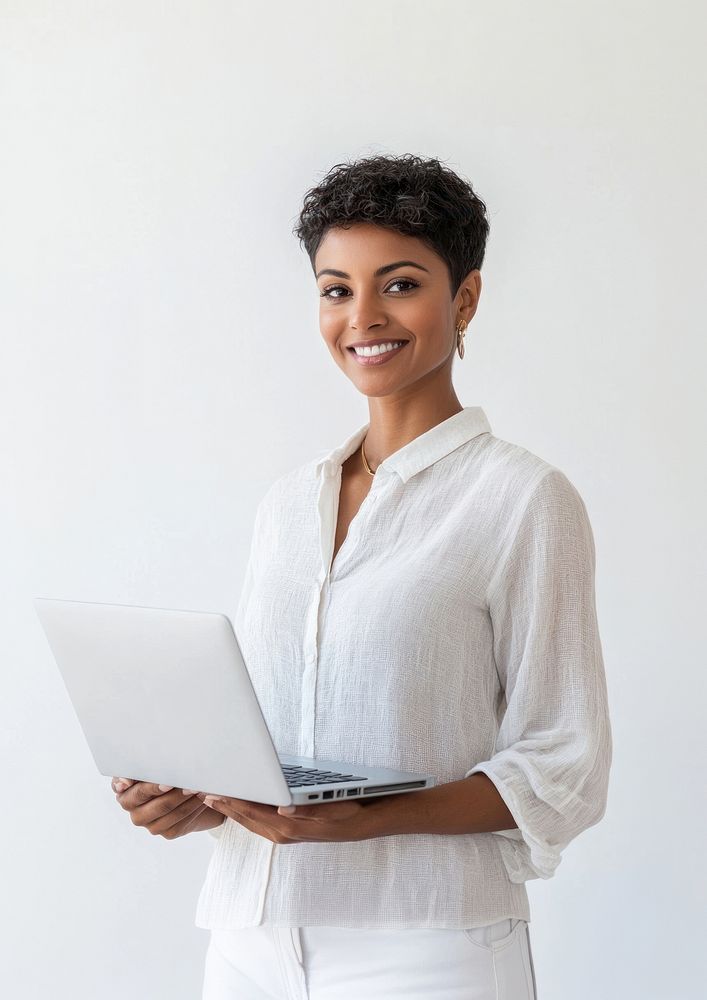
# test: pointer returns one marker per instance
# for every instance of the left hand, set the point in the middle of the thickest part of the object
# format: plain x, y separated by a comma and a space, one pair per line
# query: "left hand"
330, 821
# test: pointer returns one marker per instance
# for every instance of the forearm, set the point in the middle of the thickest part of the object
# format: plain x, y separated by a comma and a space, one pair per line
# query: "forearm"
471, 805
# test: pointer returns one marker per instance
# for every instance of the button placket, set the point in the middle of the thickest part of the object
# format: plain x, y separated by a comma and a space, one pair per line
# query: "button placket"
327, 525
309, 680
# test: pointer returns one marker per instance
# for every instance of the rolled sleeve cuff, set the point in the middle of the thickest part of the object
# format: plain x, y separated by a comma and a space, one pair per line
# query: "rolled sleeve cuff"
524, 855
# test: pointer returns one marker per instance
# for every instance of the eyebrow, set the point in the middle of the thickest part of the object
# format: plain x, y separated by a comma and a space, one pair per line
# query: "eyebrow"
376, 274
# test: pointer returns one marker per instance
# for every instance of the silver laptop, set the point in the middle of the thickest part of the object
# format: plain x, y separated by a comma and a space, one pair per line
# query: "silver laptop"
165, 696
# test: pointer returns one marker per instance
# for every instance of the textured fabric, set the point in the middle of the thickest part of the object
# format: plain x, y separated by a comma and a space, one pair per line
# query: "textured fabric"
344, 963
455, 632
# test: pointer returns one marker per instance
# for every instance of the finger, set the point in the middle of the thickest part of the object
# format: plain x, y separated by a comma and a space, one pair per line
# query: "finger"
329, 813
141, 792
163, 812
273, 833
120, 784
188, 819
259, 817
175, 821
146, 790
329, 822
258, 811
191, 820
305, 812
242, 805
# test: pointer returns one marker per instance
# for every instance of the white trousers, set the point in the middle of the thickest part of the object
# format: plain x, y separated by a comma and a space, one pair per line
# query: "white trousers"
342, 963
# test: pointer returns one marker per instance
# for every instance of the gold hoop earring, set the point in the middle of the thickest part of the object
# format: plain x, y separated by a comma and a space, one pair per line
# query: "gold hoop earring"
461, 330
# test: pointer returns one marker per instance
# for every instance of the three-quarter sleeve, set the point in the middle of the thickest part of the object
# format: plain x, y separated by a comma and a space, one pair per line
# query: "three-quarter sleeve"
553, 750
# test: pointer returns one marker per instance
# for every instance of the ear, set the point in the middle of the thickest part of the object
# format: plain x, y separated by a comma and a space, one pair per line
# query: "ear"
469, 293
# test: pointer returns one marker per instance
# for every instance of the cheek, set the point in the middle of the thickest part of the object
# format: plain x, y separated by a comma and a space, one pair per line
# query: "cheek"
329, 327
333, 338
425, 319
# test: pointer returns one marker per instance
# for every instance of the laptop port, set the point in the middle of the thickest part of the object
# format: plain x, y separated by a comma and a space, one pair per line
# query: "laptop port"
312, 796
351, 791
328, 795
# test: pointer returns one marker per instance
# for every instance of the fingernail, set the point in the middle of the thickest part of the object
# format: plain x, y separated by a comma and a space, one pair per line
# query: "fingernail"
286, 810
120, 786
165, 788
210, 799
188, 791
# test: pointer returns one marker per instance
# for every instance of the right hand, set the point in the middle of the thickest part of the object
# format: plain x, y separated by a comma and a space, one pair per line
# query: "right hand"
170, 814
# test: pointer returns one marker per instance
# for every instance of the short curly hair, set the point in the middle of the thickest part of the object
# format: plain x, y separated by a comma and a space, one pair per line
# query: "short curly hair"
411, 195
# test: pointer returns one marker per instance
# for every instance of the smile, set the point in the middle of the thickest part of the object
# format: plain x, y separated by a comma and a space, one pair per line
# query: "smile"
379, 354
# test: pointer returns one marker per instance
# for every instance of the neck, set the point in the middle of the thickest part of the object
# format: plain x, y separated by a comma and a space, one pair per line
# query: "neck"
394, 423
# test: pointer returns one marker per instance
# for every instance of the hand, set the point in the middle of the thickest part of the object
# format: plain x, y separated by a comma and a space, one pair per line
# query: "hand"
164, 810
330, 822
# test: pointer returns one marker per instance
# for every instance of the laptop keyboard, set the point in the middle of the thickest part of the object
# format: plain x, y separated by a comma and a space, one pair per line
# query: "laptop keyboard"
296, 776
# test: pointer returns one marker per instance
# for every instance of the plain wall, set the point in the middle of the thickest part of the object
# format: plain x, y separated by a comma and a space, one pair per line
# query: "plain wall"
162, 364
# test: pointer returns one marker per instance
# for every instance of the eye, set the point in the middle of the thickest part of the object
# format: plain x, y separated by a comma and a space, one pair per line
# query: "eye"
404, 281
326, 294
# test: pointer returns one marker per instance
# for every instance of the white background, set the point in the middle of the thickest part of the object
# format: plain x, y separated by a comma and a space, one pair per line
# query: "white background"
162, 364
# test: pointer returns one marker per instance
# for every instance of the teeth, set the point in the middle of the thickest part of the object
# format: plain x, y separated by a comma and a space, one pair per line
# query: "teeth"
369, 352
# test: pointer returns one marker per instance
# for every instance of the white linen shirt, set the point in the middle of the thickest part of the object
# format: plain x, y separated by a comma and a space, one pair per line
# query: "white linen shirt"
455, 633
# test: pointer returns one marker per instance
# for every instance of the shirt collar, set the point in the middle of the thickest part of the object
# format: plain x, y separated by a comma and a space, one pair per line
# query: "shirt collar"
421, 452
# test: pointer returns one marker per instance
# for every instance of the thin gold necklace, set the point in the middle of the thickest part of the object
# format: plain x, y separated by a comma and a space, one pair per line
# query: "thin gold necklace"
369, 470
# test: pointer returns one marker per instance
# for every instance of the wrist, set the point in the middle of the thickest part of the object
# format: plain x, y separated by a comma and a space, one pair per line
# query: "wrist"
469, 805
389, 815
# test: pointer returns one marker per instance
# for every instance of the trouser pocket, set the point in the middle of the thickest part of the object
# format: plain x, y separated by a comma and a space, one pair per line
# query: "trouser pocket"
494, 937
297, 943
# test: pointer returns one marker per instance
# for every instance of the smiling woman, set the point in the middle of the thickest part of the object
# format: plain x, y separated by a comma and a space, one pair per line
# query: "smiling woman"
420, 596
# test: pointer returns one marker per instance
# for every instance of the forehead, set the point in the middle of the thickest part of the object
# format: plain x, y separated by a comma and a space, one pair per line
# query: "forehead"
367, 246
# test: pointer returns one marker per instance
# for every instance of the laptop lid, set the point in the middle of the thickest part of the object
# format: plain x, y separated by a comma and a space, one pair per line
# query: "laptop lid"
164, 695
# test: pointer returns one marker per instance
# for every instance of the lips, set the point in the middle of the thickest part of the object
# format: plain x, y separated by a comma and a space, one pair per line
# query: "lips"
372, 360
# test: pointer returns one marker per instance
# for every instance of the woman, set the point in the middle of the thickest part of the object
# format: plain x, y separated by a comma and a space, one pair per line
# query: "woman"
420, 597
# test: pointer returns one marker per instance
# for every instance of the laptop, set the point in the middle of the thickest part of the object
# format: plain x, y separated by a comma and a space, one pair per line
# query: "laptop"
164, 696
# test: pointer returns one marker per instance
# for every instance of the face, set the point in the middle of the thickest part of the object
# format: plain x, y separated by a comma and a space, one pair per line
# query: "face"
409, 303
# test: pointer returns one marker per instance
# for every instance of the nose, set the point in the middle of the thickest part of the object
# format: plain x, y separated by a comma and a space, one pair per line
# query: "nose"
366, 312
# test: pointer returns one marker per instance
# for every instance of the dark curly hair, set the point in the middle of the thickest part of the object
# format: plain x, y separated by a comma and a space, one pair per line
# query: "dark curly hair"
411, 195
